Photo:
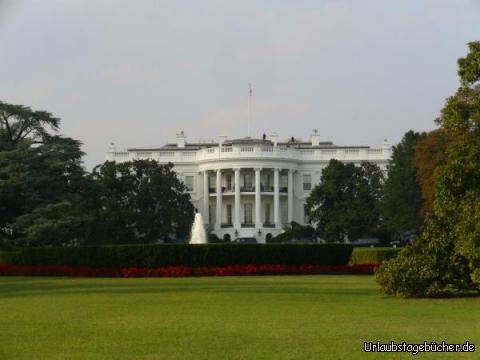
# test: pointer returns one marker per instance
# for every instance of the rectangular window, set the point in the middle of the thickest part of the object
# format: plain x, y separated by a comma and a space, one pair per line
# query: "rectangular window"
212, 182
269, 180
248, 213
247, 181
189, 183
283, 181
268, 219
211, 214
228, 180
284, 213
267, 186
229, 214
307, 182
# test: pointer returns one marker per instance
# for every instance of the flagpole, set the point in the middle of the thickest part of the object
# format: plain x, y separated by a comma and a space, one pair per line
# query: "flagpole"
249, 108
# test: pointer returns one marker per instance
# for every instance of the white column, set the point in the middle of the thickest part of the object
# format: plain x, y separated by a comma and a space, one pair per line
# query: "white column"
258, 200
237, 222
206, 196
218, 220
276, 197
290, 196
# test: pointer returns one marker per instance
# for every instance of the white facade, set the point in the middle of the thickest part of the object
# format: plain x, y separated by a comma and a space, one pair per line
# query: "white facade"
252, 187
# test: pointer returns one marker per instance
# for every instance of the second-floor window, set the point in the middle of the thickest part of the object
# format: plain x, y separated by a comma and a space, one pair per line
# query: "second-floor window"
307, 182
212, 183
189, 183
228, 181
247, 181
283, 181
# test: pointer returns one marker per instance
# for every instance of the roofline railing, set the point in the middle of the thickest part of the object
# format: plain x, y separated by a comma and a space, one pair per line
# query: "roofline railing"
255, 151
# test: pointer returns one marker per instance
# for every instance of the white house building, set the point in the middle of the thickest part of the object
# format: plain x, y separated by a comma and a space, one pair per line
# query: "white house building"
252, 187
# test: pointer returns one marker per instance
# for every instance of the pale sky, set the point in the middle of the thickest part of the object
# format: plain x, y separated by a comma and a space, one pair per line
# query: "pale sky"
137, 72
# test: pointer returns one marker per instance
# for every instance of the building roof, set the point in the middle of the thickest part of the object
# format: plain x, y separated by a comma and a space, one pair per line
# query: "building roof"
248, 141
292, 143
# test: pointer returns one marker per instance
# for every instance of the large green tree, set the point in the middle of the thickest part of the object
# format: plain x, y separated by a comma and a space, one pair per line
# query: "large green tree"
140, 202
402, 201
446, 256
346, 203
20, 123
42, 181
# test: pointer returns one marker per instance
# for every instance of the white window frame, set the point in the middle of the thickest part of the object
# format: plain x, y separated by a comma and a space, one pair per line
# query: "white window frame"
307, 182
268, 213
248, 206
229, 213
228, 182
192, 187
211, 214
249, 184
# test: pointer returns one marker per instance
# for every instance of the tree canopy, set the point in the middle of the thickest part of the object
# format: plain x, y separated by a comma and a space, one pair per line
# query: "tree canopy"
446, 256
47, 198
42, 180
19, 123
140, 202
402, 200
346, 203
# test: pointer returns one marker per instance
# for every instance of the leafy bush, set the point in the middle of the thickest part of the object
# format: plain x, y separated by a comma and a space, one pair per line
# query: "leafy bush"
407, 275
372, 256
296, 231
214, 239
445, 258
154, 256
5, 245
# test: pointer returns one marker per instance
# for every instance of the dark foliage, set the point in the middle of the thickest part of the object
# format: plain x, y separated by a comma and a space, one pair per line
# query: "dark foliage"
296, 232
402, 199
140, 202
152, 256
346, 203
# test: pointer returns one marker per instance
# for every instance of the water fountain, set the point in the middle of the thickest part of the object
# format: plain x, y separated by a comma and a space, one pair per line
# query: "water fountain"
198, 234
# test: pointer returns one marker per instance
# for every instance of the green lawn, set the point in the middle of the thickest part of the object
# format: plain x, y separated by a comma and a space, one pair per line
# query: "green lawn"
271, 317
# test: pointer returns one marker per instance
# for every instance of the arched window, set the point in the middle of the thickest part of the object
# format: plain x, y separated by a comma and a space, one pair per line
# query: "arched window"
227, 238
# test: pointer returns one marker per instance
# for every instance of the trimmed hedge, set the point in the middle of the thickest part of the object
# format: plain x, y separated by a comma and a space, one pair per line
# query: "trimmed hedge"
208, 255
372, 255
7, 256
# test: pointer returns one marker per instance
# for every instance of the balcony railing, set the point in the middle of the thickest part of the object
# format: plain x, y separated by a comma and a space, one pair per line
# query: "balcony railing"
247, 189
227, 225
255, 151
248, 225
268, 224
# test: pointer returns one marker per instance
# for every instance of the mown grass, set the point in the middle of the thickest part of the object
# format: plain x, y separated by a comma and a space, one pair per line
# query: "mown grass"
270, 317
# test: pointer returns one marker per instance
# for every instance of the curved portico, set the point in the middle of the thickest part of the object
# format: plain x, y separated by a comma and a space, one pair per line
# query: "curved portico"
248, 201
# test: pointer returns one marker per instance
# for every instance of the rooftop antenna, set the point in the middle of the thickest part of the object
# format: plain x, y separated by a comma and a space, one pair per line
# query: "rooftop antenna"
250, 93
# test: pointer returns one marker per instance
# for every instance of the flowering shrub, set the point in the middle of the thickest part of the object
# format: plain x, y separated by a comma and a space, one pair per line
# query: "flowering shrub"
183, 271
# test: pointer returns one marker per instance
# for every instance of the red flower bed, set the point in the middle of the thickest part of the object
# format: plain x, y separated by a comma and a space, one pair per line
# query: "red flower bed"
182, 271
